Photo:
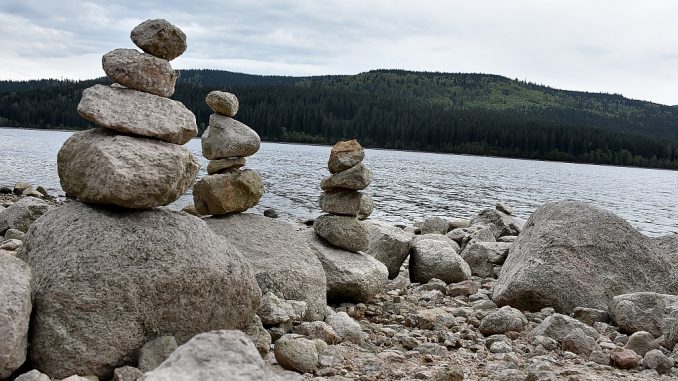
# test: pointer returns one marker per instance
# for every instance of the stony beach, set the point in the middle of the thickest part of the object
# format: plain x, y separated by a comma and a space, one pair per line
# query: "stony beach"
112, 285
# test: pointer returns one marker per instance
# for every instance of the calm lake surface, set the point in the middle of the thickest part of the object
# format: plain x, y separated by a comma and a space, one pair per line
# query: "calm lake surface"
408, 186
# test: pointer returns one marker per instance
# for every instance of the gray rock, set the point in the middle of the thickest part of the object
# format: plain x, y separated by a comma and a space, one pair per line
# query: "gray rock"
434, 225
475, 232
220, 165
223, 103
558, 326
572, 255
295, 352
127, 373
656, 360
113, 277
33, 375
15, 313
464, 288
213, 356
10, 244
274, 310
4, 225
503, 320
436, 259
21, 186
600, 357
623, 358
159, 38
233, 191
140, 71
344, 155
500, 347
366, 206
667, 246
458, 223
580, 343
357, 177
345, 232
270, 213
155, 351
482, 257
501, 223
342, 202
645, 311
350, 276
346, 328
24, 212
120, 110
14, 234
388, 244
436, 237
226, 137
320, 330
100, 167
282, 260
641, 342
259, 335
590, 315
504, 208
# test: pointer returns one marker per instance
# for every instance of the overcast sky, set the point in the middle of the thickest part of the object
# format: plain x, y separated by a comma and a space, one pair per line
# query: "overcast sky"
615, 46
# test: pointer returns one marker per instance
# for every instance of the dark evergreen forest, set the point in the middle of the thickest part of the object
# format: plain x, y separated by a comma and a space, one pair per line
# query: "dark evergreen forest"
475, 114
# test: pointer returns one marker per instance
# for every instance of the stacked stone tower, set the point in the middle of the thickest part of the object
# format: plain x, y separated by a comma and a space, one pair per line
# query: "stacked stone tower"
226, 143
341, 199
135, 159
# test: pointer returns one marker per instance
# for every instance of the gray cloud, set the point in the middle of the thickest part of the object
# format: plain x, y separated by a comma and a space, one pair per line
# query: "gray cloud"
626, 47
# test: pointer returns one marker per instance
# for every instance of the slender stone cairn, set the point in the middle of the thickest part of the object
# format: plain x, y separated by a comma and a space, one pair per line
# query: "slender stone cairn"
226, 143
341, 199
134, 159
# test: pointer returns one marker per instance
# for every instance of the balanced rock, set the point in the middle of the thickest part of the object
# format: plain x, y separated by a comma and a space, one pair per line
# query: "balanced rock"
222, 103
229, 192
572, 254
15, 313
119, 109
389, 245
159, 38
101, 167
341, 202
350, 276
140, 71
111, 278
357, 177
436, 259
226, 137
283, 262
215, 355
220, 165
344, 155
342, 231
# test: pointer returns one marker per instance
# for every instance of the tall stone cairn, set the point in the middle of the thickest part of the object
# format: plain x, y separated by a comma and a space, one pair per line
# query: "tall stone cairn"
226, 143
135, 158
342, 200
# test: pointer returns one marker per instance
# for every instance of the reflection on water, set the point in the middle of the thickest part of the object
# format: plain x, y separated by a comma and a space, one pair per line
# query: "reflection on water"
407, 185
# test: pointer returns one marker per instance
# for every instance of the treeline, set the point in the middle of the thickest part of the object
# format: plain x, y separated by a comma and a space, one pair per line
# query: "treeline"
404, 110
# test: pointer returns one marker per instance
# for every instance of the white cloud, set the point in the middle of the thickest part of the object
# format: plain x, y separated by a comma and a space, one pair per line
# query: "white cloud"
627, 47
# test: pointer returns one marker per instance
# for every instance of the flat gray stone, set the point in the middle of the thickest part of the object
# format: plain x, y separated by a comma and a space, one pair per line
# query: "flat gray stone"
357, 177
140, 71
345, 232
226, 137
220, 165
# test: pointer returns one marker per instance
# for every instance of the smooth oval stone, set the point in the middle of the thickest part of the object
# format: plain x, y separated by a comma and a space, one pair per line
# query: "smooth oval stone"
159, 38
140, 71
231, 192
226, 137
223, 103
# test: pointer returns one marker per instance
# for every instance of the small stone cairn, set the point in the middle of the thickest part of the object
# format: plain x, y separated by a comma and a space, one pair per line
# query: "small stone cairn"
135, 159
342, 201
226, 143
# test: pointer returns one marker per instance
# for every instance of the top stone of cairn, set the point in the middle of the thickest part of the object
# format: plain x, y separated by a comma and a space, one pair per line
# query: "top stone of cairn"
344, 155
159, 38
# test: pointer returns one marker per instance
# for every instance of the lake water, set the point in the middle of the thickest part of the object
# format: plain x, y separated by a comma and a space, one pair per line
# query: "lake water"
408, 186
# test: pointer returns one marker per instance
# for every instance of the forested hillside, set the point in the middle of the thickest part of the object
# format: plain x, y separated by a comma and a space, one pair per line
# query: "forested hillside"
462, 113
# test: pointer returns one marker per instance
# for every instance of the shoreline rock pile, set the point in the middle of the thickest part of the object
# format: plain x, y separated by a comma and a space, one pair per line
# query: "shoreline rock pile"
341, 199
226, 143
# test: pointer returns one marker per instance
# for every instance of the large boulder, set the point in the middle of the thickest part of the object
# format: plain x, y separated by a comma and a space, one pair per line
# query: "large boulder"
436, 259
15, 313
342, 231
483, 257
388, 244
232, 191
226, 137
101, 167
647, 311
140, 71
106, 279
159, 38
283, 262
24, 212
344, 155
572, 254
118, 109
350, 276
216, 355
